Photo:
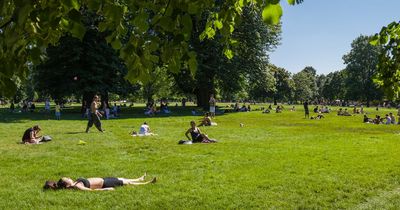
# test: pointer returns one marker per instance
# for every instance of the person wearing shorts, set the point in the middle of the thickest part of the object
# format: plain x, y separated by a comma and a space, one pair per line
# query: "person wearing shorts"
89, 184
212, 103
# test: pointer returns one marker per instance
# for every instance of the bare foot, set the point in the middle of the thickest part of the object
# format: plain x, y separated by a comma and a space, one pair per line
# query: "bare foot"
142, 178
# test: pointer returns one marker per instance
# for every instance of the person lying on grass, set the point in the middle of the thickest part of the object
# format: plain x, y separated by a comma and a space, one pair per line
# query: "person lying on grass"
196, 136
91, 184
31, 135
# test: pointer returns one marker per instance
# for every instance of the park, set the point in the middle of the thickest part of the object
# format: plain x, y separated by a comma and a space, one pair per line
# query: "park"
191, 100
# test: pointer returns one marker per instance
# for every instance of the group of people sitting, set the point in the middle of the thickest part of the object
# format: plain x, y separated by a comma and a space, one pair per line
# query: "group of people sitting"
388, 119
342, 112
322, 110
151, 108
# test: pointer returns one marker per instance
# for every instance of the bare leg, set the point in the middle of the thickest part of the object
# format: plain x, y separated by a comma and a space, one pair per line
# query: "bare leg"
140, 179
136, 182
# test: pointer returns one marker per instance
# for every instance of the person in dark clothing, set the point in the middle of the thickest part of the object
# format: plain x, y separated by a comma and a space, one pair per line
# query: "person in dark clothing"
306, 110
31, 135
90, 184
196, 136
94, 115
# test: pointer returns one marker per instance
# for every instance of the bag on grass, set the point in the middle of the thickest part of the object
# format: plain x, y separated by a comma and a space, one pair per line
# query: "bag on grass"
46, 138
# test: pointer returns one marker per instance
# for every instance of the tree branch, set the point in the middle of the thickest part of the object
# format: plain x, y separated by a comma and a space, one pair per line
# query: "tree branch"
7, 23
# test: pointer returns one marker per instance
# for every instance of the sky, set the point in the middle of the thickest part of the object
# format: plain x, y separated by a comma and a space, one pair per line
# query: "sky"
318, 33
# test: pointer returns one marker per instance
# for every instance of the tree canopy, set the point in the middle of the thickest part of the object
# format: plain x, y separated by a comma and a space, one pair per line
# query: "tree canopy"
144, 32
388, 73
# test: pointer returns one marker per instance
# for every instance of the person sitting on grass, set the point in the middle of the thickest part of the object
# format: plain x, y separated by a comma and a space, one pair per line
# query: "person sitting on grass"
346, 113
196, 136
206, 120
279, 109
392, 118
318, 117
388, 119
91, 184
267, 111
316, 110
377, 120
31, 135
340, 112
144, 130
367, 120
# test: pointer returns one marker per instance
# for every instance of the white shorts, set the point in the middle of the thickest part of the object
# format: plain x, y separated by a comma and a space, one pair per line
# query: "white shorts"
212, 109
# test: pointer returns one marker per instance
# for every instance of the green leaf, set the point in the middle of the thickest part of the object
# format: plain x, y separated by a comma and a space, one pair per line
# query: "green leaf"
291, 2
116, 44
272, 14
228, 53
70, 4
374, 40
218, 24
78, 30
94, 4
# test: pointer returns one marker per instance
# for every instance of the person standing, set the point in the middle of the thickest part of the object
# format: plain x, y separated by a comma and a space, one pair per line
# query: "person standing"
58, 111
212, 103
47, 106
306, 110
94, 115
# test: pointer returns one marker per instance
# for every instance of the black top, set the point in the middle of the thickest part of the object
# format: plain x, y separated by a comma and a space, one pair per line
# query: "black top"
27, 134
84, 181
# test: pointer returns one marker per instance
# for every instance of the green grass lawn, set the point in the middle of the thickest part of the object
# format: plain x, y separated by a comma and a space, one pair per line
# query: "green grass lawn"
276, 161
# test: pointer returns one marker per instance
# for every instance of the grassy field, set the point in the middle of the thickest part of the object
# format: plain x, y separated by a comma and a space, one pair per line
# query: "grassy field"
276, 161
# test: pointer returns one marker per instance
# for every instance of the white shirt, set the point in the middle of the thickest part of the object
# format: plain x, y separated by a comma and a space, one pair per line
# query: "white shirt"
144, 129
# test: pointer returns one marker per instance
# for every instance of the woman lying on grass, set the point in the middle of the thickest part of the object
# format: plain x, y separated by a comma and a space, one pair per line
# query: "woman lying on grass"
91, 184
197, 136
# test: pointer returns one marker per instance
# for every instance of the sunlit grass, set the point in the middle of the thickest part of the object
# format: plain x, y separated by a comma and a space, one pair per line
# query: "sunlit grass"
275, 161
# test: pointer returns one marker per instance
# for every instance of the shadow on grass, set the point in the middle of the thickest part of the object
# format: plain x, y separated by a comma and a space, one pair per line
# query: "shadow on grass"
73, 113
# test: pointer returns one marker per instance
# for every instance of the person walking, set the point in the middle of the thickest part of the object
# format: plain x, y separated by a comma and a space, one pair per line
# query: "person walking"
94, 115
306, 110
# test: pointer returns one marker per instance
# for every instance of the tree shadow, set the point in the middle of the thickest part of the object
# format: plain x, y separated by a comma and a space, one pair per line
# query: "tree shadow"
73, 113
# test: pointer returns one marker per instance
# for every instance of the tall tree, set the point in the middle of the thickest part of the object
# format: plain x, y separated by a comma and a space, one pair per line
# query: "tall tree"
252, 41
334, 87
161, 30
284, 84
306, 84
82, 68
361, 67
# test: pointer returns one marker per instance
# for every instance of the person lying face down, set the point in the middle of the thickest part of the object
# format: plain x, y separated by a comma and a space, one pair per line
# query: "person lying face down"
90, 184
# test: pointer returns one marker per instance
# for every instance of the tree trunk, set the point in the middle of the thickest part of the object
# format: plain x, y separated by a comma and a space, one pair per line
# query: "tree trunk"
104, 100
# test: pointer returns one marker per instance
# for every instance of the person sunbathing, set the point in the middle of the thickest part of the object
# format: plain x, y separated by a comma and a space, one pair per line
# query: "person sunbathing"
206, 120
91, 184
196, 136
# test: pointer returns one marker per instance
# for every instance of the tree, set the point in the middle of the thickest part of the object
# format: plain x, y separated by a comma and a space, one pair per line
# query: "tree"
387, 75
334, 87
284, 84
231, 76
82, 68
157, 30
305, 84
361, 67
